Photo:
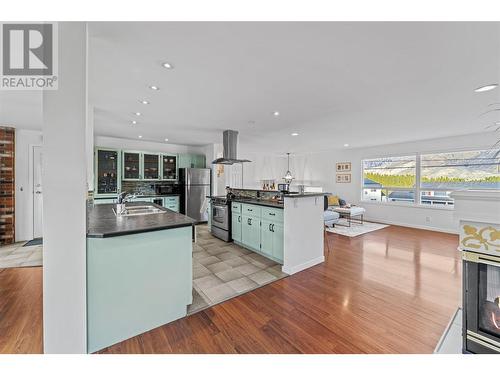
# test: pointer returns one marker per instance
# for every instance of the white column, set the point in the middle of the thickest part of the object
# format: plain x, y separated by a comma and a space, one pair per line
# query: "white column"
65, 187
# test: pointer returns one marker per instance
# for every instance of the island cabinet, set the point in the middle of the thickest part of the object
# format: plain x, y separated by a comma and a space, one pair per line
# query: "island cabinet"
259, 229
236, 221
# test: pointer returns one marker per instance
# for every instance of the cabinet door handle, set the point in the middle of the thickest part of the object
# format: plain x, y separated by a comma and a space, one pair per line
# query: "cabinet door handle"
272, 214
249, 209
270, 229
239, 219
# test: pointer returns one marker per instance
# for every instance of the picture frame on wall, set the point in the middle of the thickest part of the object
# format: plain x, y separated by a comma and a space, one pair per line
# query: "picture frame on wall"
343, 178
343, 167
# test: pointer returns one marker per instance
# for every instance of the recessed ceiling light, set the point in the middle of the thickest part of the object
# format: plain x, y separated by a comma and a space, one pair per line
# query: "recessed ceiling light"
167, 65
166, 139
138, 113
294, 134
144, 101
486, 88
140, 136
346, 144
154, 87
276, 113
134, 122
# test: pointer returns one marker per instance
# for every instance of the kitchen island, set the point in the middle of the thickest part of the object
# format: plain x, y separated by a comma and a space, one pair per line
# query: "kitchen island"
139, 271
289, 231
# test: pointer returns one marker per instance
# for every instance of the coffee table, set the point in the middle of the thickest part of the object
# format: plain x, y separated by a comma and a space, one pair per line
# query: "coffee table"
352, 214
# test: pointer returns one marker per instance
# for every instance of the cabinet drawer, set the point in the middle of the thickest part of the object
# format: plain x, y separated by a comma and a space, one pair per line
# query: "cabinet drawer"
236, 208
273, 214
250, 210
171, 199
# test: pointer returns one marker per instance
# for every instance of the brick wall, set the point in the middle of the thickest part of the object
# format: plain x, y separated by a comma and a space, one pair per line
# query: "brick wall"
7, 202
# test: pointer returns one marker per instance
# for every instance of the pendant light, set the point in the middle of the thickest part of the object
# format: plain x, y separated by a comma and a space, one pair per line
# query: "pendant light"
288, 175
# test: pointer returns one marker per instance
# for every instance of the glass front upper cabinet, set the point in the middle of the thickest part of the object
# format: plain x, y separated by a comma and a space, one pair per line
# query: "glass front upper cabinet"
107, 166
131, 165
169, 167
151, 166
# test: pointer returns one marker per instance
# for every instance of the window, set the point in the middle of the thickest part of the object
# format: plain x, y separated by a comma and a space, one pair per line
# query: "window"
428, 179
390, 179
442, 173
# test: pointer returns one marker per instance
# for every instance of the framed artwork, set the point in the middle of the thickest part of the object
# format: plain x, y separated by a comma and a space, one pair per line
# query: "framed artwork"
343, 167
343, 178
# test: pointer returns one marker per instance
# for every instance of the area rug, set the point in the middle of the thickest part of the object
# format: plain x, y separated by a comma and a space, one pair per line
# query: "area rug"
18, 255
355, 229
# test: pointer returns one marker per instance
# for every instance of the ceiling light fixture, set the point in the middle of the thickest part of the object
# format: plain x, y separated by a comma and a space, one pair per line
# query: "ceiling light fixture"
346, 144
138, 113
288, 175
154, 88
486, 87
294, 134
140, 136
166, 139
167, 65
134, 122
144, 101
276, 113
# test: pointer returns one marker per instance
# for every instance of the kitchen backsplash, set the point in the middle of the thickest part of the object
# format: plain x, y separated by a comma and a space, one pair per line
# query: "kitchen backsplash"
143, 187
263, 194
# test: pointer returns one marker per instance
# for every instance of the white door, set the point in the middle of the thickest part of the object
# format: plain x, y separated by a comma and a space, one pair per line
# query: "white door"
37, 192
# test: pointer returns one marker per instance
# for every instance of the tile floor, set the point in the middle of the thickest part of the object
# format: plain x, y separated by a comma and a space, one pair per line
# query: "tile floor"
223, 270
17, 255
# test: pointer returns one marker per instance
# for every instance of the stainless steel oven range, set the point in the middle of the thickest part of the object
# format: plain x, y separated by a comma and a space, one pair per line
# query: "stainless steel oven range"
481, 298
220, 213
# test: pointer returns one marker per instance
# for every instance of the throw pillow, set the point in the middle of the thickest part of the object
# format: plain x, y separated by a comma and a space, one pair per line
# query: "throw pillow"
333, 200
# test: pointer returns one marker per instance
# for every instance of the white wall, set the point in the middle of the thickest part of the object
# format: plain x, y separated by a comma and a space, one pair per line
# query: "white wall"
131, 144
25, 139
318, 169
64, 198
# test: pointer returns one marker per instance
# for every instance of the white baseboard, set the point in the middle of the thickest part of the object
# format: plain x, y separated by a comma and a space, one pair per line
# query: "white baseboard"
416, 226
303, 266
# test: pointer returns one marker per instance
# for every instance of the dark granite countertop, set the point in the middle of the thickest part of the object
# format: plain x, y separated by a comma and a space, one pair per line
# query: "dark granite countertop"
258, 202
102, 221
143, 196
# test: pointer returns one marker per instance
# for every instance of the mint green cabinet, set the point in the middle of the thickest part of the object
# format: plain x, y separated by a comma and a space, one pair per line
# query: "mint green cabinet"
172, 203
192, 161
236, 227
272, 239
278, 241
132, 165
169, 167
250, 232
267, 237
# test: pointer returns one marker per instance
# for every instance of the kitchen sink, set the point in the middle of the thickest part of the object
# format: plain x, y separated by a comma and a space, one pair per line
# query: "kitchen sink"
139, 210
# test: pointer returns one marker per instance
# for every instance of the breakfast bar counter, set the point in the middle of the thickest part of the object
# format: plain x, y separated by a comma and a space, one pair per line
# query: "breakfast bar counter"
139, 271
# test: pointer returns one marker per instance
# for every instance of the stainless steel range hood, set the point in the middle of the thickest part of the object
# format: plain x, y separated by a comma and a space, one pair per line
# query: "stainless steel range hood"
230, 149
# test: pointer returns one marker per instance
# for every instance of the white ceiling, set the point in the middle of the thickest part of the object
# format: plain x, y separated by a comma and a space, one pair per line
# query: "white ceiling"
336, 82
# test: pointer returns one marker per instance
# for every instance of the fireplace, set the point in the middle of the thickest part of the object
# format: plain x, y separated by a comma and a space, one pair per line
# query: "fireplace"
481, 302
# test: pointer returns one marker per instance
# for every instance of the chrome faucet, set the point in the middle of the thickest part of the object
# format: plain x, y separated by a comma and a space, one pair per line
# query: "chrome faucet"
123, 198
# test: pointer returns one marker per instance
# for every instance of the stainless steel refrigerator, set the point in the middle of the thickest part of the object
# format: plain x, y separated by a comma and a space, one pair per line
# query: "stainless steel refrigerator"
195, 187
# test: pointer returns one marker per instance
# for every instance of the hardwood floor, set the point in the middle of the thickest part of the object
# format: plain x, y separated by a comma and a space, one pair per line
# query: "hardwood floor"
388, 291
21, 310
